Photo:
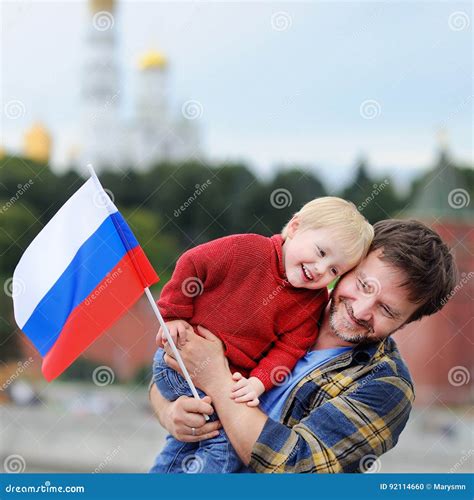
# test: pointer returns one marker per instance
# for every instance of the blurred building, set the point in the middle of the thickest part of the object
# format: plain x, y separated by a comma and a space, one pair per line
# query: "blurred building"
102, 132
158, 134
37, 143
438, 349
155, 133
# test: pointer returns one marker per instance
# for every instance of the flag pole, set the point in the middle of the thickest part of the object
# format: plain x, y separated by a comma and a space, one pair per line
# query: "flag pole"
176, 354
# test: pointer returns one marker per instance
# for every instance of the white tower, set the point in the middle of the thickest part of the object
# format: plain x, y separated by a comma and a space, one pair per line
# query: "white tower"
102, 134
152, 133
158, 136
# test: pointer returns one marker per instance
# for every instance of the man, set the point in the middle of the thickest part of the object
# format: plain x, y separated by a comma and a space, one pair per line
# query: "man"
349, 407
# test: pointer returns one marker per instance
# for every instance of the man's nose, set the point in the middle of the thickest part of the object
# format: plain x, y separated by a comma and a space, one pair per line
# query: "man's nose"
362, 308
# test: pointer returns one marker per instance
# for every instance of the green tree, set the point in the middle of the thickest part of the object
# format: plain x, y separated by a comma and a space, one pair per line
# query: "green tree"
375, 198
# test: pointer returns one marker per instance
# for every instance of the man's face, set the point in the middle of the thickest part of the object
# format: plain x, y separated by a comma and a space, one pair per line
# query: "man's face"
368, 303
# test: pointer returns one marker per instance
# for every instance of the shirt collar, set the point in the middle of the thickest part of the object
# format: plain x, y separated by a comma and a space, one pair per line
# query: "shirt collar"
367, 353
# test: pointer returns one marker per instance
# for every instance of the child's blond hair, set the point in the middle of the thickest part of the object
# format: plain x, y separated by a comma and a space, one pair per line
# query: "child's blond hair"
350, 228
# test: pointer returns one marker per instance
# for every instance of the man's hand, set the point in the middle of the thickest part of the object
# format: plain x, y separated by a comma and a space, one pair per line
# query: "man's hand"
203, 356
178, 329
181, 416
246, 390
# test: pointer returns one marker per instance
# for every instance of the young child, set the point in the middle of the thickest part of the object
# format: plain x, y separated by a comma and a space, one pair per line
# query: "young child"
263, 298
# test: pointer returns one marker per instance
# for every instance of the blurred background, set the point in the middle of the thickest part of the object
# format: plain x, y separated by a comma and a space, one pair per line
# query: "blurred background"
205, 119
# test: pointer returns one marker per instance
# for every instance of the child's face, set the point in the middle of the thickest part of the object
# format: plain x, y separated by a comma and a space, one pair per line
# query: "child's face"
311, 257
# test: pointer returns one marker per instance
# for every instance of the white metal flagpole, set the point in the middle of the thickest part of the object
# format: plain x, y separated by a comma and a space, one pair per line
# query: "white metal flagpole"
177, 356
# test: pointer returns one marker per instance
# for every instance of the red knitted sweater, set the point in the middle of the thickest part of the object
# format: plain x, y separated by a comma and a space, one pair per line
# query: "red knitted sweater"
236, 287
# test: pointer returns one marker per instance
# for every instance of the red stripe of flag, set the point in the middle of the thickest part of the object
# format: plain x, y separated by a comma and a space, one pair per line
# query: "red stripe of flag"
112, 298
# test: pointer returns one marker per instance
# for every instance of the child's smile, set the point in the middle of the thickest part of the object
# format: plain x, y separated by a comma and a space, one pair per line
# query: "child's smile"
312, 258
307, 274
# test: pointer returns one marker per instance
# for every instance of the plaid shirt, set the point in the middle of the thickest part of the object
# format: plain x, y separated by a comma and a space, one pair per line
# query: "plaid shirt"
341, 416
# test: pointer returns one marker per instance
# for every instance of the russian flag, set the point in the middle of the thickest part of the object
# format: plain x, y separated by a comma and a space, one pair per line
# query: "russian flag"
80, 274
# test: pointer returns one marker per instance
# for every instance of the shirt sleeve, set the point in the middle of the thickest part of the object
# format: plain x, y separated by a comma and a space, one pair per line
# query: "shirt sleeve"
344, 434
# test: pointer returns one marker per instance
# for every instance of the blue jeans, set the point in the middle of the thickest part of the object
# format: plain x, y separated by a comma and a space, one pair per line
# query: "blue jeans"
215, 455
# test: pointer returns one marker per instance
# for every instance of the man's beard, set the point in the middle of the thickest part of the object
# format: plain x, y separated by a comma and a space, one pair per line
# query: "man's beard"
346, 335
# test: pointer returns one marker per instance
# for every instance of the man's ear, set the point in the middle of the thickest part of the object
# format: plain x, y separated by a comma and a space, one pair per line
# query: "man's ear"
293, 226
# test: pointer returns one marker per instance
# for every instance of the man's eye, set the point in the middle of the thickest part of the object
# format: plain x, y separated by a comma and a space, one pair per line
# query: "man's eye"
362, 284
334, 271
322, 252
387, 311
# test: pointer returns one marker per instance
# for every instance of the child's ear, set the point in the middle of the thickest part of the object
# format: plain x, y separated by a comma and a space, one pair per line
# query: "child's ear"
293, 226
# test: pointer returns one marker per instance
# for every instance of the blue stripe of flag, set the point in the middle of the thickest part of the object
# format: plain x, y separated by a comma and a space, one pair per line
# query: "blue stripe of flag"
98, 255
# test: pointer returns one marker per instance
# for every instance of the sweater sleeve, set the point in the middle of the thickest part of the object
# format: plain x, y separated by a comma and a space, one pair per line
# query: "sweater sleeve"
280, 360
292, 345
198, 269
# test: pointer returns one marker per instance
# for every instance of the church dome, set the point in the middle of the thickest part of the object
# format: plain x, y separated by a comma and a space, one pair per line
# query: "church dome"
152, 59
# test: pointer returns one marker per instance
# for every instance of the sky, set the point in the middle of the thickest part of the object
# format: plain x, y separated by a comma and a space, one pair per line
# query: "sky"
316, 84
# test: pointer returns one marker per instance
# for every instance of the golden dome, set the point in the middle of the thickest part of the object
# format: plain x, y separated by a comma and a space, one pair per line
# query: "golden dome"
152, 59
37, 143
101, 5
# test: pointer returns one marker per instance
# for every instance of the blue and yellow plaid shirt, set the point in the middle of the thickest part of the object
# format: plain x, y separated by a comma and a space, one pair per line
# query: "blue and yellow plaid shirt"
346, 411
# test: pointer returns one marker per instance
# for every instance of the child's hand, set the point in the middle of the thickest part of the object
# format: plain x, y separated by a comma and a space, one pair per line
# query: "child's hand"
246, 390
178, 329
